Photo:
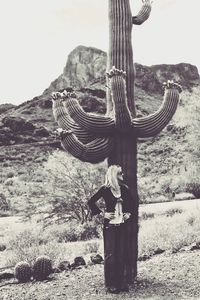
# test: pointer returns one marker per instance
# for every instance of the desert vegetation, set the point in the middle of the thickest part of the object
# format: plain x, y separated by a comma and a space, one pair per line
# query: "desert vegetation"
169, 231
51, 195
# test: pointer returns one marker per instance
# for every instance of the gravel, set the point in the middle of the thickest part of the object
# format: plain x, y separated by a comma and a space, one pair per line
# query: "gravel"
165, 276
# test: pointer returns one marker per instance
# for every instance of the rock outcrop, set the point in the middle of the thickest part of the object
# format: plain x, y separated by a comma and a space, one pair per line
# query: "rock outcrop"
86, 68
150, 79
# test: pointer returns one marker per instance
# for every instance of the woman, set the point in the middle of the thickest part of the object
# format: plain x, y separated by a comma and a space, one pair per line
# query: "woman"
118, 210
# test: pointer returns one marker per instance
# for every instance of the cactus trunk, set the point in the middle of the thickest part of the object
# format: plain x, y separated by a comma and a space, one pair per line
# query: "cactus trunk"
120, 52
125, 149
124, 154
93, 138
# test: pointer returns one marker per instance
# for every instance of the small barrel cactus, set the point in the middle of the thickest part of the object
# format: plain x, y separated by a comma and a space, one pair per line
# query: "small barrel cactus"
42, 268
23, 271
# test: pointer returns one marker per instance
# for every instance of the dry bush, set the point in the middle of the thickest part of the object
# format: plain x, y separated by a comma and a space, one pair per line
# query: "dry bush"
67, 186
172, 211
169, 233
33, 242
93, 246
72, 231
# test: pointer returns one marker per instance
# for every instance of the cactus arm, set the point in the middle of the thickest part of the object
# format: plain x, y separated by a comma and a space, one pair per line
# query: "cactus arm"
59, 113
151, 125
143, 14
91, 122
119, 98
93, 152
66, 122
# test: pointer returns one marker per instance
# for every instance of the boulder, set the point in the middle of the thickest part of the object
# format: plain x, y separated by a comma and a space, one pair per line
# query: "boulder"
96, 259
195, 246
2, 247
6, 275
78, 261
64, 265
158, 251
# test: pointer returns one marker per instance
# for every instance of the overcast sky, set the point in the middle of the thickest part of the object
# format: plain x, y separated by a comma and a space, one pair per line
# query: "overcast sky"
37, 36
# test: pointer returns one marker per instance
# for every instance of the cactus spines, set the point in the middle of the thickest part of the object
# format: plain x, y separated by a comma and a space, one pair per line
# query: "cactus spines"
23, 271
42, 268
115, 135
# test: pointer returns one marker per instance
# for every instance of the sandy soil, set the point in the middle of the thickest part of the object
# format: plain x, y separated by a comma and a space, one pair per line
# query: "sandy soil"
169, 277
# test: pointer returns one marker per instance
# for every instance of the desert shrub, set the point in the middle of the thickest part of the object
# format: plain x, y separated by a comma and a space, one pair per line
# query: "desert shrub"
67, 185
36, 240
30, 254
26, 239
17, 187
39, 159
92, 246
2, 247
4, 203
29, 158
9, 182
144, 190
73, 231
29, 244
157, 190
20, 172
10, 174
6, 164
191, 179
172, 211
191, 220
168, 185
90, 231
194, 188
170, 234
146, 215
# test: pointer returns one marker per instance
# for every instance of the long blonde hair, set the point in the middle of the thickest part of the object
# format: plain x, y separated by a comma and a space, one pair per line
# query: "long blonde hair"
111, 180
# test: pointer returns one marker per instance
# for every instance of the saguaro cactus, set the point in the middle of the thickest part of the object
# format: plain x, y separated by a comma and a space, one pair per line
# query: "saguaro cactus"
93, 138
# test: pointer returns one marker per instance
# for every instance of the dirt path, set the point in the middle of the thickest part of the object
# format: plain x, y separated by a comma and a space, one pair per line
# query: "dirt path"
162, 277
158, 208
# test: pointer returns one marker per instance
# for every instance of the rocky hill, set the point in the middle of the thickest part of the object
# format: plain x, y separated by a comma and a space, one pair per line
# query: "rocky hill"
85, 72
31, 123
